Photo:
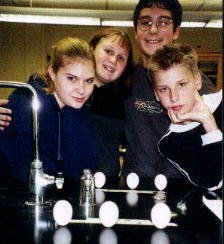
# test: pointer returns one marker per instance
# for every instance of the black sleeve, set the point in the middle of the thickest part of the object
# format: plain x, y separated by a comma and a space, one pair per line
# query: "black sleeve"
202, 165
16, 140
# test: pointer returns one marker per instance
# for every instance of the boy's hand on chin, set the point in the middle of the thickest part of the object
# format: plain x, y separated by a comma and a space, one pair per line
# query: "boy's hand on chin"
174, 116
200, 112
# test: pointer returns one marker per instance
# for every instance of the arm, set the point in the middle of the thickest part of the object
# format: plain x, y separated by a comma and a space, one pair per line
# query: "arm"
201, 165
15, 146
4, 114
198, 158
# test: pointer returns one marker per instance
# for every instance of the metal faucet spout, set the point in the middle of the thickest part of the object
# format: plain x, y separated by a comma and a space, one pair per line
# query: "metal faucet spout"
35, 102
38, 180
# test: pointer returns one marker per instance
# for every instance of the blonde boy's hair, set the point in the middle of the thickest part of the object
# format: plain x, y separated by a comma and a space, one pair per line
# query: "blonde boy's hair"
171, 55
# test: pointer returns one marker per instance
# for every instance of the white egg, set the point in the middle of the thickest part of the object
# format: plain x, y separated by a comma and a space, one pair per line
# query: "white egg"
100, 197
132, 180
62, 212
160, 237
100, 179
62, 236
160, 182
108, 236
160, 215
132, 198
108, 213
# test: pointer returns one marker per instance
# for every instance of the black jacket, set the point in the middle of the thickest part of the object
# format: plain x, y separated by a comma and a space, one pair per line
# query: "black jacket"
67, 139
182, 145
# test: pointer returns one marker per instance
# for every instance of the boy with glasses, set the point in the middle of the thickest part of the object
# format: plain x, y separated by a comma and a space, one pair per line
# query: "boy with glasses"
162, 24
156, 23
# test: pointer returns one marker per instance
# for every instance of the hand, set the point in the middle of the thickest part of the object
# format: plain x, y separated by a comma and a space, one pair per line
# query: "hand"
200, 112
4, 118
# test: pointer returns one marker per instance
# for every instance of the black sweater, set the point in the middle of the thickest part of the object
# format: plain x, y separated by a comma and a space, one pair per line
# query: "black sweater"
182, 145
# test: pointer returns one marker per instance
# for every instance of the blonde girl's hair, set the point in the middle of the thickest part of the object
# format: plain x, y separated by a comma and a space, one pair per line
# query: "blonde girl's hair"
65, 51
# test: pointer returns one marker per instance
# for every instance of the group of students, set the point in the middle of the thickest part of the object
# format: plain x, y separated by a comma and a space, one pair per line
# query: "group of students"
92, 95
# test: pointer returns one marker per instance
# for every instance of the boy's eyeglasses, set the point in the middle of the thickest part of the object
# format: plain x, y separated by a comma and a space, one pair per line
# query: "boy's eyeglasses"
145, 23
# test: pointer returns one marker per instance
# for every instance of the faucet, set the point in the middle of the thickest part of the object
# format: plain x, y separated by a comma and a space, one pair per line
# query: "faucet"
38, 180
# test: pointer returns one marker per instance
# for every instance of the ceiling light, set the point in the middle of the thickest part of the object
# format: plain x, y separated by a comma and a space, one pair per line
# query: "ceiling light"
192, 24
126, 23
214, 23
49, 19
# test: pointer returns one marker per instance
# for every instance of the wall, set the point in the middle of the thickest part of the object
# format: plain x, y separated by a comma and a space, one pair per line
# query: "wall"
24, 47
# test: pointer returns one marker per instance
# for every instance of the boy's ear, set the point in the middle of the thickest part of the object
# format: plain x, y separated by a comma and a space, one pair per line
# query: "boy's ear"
51, 72
176, 33
157, 98
135, 32
198, 81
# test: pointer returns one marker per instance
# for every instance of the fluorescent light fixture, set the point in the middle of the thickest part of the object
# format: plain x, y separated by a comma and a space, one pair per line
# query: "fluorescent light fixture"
40, 19
192, 24
126, 23
214, 23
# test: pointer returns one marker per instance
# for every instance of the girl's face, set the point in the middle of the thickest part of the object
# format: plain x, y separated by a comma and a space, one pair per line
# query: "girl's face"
111, 60
73, 82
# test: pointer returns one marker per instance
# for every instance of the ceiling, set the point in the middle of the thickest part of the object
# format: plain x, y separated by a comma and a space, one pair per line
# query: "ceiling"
194, 10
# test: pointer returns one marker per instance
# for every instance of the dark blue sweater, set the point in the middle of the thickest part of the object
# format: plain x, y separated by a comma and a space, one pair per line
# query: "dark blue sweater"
67, 140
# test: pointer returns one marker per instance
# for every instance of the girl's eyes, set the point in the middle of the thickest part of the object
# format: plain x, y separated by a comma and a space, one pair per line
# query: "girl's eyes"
74, 78
119, 57
162, 89
122, 58
183, 84
108, 51
90, 81
71, 78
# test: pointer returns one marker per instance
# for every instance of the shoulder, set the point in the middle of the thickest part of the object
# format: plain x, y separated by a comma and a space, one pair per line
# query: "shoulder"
139, 70
213, 100
36, 81
207, 85
108, 101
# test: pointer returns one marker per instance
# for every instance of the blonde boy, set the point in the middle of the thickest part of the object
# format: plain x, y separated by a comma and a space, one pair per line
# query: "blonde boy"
193, 142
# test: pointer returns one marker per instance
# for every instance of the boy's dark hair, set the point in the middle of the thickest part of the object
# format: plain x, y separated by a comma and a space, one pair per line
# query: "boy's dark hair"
171, 5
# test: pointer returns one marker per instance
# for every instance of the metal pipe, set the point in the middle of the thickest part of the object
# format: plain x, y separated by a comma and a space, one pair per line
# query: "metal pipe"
38, 180
35, 102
